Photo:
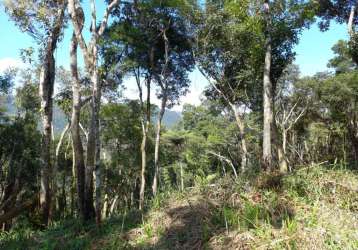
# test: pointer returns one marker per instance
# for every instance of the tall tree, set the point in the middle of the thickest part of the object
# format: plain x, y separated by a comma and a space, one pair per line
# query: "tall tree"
267, 92
90, 55
44, 22
173, 60
227, 57
156, 42
282, 24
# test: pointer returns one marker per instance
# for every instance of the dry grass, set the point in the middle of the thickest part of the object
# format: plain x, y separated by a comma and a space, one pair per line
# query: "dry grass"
309, 209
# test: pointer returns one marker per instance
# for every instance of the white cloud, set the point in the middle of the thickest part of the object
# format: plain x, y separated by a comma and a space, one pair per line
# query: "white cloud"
8, 62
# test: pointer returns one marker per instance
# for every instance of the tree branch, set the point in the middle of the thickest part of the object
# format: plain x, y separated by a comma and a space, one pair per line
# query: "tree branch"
108, 10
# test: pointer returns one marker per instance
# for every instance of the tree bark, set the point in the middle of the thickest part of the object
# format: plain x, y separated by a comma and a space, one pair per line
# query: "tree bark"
267, 98
56, 183
92, 144
47, 80
282, 157
157, 144
241, 127
145, 129
142, 174
181, 176
90, 55
75, 129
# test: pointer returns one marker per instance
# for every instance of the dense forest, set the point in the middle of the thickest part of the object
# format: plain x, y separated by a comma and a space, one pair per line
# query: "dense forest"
268, 160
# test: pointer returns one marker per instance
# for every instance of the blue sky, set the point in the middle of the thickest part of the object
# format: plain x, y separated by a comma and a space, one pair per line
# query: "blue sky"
313, 51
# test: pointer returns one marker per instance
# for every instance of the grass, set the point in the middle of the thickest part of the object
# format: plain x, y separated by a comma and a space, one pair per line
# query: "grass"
71, 234
311, 208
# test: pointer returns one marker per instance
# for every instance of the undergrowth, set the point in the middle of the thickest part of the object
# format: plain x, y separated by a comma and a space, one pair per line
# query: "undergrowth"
312, 208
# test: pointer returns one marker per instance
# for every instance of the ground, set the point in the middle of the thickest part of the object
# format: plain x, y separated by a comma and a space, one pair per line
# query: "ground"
311, 208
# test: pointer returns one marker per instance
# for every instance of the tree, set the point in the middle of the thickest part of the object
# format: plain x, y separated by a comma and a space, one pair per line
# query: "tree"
289, 110
20, 154
44, 22
90, 55
7, 81
150, 42
282, 23
171, 67
121, 137
342, 11
227, 57
342, 62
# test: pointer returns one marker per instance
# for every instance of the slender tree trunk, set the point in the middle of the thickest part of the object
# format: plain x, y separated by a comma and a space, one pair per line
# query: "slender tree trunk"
47, 80
267, 98
90, 55
98, 184
145, 129
241, 126
181, 176
105, 206
92, 146
113, 205
284, 141
282, 157
157, 143
75, 130
55, 182
144, 163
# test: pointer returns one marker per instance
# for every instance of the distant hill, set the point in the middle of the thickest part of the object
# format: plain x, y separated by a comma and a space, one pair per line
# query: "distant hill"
59, 120
171, 118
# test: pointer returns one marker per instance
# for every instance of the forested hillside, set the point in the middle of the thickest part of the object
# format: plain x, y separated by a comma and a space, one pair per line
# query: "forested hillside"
8, 103
267, 160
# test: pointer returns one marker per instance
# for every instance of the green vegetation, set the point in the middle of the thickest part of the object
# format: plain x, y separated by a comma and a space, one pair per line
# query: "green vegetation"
267, 160
312, 208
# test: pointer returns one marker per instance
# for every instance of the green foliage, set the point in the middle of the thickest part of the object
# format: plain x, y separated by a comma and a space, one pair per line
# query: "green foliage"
342, 62
35, 17
6, 81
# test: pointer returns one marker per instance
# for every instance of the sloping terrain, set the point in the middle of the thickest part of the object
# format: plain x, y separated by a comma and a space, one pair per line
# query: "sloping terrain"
313, 208
310, 209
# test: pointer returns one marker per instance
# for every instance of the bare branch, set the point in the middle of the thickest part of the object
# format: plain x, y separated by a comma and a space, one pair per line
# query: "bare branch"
75, 9
107, 12
350, 22
226, 160
214, 86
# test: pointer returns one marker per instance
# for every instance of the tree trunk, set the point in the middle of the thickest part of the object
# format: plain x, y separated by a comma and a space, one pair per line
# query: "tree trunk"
241, 126
98, 202
105, 206
284, 141
145, 129
47, 80
267, 99
157, 143
144, 163
181, 176
282, 157
113, 205
56, 184
75, 130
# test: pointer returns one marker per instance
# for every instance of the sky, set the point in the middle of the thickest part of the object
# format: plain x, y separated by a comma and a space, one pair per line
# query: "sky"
313, 52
